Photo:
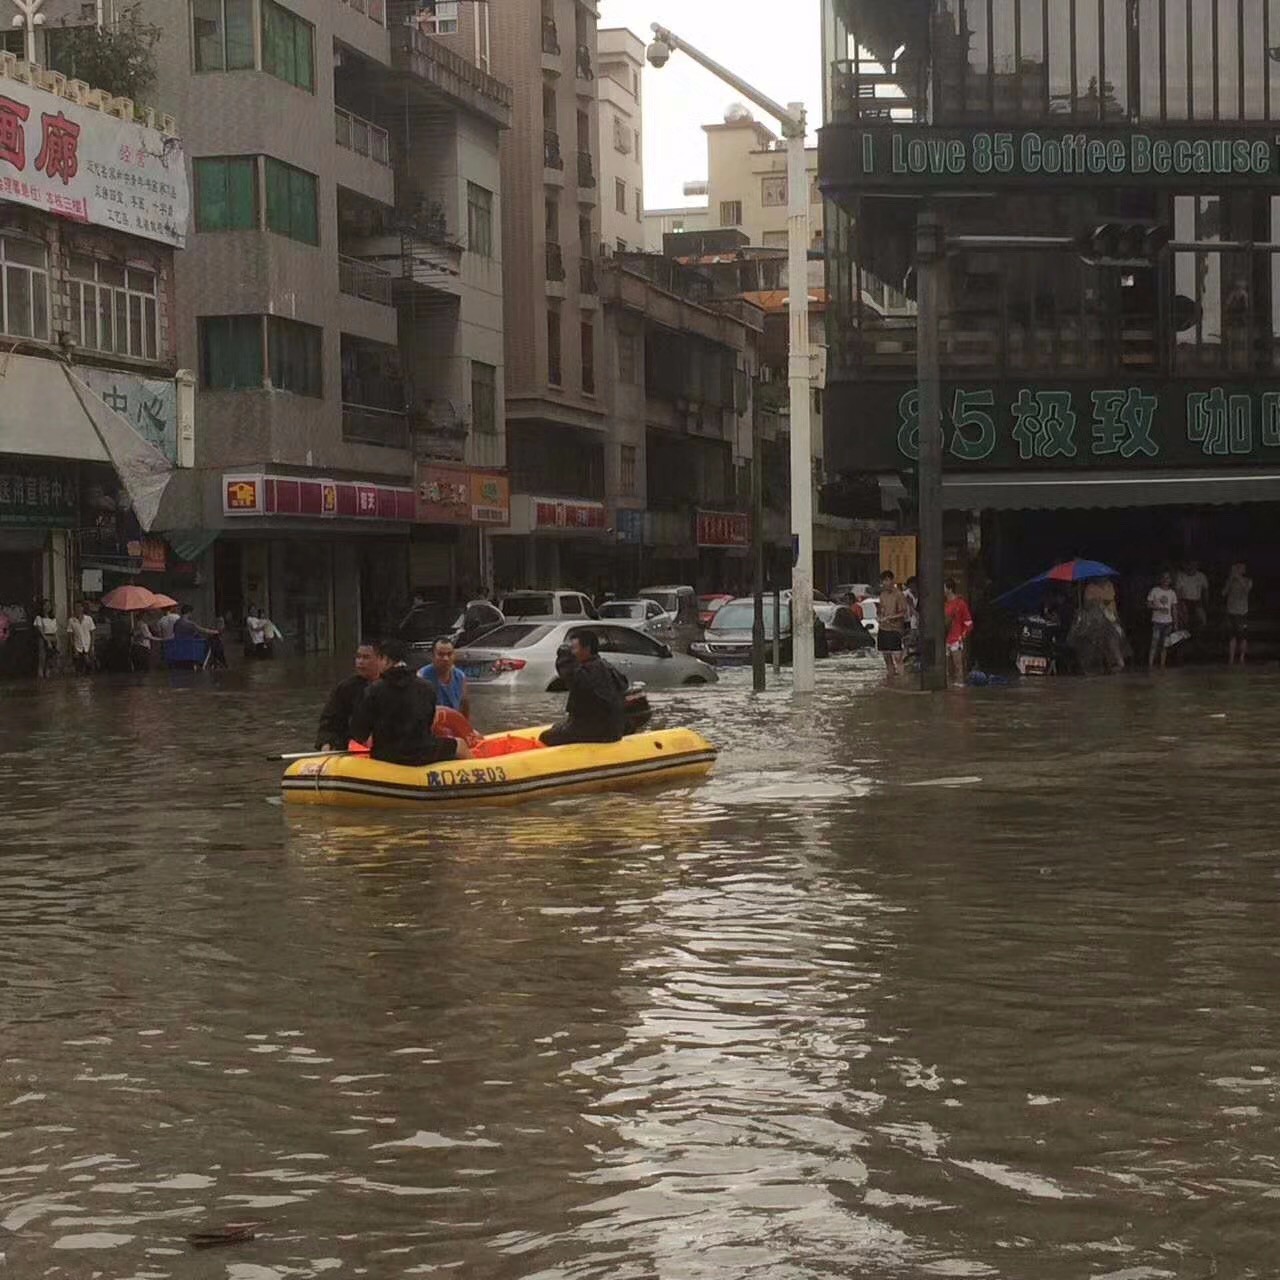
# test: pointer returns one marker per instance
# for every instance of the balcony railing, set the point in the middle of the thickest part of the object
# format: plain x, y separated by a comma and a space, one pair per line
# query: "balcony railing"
555, 262
586, 171
587, 276
364, 280
583, 63
551, 157
361, 136
364, 424
864, 91
375, 10
550, 38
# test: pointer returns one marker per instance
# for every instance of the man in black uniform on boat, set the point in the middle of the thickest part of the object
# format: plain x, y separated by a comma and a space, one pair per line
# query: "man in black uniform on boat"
334, 730
596, 707
398, 710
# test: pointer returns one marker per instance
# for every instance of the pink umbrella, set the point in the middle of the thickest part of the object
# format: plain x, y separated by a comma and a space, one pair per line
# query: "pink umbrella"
130, 599
163, 601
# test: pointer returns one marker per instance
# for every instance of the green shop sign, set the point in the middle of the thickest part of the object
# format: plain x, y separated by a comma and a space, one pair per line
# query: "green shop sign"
41, 494
884, 158
1014, 426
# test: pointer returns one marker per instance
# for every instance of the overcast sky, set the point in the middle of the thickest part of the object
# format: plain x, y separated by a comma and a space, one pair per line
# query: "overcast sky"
775, 47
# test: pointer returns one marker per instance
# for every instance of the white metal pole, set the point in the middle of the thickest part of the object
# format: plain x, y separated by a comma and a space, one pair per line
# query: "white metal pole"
800, 384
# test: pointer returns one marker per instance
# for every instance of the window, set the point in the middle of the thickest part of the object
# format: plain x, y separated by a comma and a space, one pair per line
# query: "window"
571, 606
589, 357
620, 195
226, 193
773, 193
230, 352
629, 640
293, 356
24, 288
440, 17
628, 360
479, 220
222, 34
627, 470
775, 239
622, 245
113, 307
639, 206
14, 42
730, 213
484, 397
291, 202
554, 371
288, 46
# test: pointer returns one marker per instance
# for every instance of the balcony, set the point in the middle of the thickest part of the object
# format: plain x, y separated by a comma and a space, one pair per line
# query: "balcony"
367, 424
361, 136
414, 258
587, 281
862, 91
583, 71
359, 279
429, 71
555, 262
552, 159
374, 10
586, 170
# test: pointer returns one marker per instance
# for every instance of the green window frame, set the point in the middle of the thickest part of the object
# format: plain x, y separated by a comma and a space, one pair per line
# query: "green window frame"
288, 46
226, 193
484, 397
294, 356
292, 202
230, 352
222, 35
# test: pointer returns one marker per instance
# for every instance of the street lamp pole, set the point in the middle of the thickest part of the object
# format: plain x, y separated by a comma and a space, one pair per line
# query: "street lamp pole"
792, 120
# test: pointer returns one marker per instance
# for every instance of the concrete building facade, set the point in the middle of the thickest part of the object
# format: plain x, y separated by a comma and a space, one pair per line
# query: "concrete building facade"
618, 88
340, 300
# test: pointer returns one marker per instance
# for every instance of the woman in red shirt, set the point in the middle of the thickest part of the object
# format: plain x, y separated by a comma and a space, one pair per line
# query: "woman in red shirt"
959, 624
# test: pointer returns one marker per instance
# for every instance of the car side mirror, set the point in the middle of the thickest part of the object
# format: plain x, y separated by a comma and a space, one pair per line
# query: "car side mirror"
666, 650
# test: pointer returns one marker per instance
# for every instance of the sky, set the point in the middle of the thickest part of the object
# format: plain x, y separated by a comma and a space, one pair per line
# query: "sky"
779, 55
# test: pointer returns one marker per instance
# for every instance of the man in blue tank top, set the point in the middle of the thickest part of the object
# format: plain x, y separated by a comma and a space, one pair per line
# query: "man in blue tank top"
448, 682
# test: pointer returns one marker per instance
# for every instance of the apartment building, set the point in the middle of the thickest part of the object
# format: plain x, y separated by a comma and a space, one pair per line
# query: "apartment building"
621, 159
546, 51
341, 301
94, 420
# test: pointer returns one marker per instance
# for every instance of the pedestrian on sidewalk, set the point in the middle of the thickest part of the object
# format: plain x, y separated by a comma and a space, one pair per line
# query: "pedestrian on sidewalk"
1236, 593
1192, 588
959, 626
1162, 600
892, 612
45, 628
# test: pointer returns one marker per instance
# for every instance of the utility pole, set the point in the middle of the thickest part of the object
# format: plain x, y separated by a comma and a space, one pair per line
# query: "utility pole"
930, 263
800, 372
757, 552
29, 18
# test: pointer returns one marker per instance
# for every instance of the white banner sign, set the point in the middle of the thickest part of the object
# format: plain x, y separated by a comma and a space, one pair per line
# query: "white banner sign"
86, 165
150, 404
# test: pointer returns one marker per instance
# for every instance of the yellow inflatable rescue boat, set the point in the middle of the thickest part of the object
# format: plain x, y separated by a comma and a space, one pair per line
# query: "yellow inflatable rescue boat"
508, 770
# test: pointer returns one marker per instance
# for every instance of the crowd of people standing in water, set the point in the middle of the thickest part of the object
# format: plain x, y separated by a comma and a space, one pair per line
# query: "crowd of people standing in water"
393, 710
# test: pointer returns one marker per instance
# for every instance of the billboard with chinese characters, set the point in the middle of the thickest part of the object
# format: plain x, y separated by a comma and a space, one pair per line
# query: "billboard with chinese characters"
149, 404
83, 164
305, 497
40, 494
723, 529
460, 495
1048, 425
568, 514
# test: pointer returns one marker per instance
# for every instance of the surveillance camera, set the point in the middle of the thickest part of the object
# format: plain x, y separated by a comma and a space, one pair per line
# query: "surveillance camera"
658, 53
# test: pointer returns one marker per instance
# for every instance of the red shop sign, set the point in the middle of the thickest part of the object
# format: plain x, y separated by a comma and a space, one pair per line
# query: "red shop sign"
723, 529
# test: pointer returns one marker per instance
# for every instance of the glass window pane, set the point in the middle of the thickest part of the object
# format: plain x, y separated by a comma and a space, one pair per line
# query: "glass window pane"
241, 193
302, 192
212, 213
122, 322
105, 326
18, 310
1115, 55
142, 281
277, 197
304, 57
1228, 14
111, 273
1059, 40
1200, 38
239, 34
1255, 58
207, 34
134, 343
149, 343
28, 252
39, 305
81, 268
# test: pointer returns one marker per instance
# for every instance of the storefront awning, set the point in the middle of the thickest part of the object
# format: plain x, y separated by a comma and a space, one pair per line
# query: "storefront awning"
1043, 492
46, 411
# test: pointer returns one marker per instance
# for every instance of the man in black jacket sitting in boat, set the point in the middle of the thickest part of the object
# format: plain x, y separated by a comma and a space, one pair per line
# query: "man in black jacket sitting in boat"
596, 707
398, 710
334, 730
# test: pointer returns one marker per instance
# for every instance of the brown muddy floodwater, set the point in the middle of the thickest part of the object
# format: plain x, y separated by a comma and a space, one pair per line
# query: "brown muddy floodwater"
975, 985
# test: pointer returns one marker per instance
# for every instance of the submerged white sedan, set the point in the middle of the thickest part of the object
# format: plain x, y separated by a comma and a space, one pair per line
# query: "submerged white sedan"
522, 656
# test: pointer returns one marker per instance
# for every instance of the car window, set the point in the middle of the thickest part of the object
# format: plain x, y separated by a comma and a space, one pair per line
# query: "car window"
571, 606
518, 635
621, 609
652, 610
626, 640
739, 617
533, 605
666, 600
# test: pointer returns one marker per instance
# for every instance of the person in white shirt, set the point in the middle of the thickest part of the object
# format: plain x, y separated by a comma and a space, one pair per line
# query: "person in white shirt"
1192, 588
168, 620
1162, 600
46, 629
80, 629
260, 633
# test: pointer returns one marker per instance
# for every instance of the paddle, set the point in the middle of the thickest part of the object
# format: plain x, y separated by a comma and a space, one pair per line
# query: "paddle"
307, 755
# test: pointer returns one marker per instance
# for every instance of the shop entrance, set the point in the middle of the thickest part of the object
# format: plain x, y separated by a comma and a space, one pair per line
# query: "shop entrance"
19, 576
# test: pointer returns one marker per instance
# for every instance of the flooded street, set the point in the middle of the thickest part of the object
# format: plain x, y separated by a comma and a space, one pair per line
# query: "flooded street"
976, 985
